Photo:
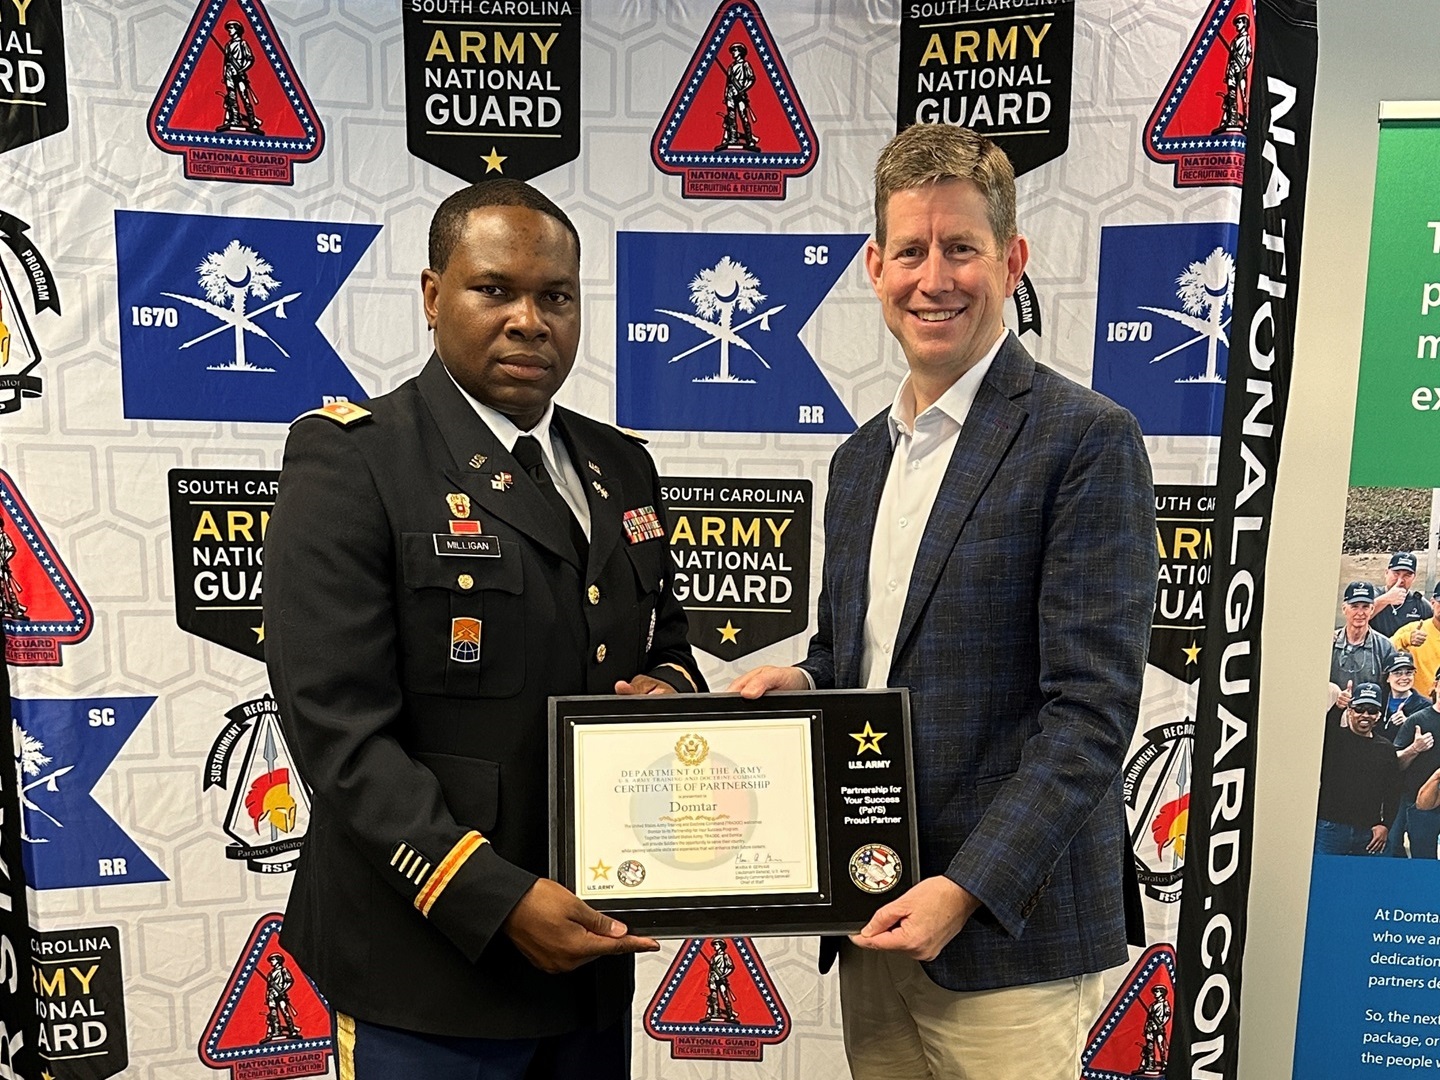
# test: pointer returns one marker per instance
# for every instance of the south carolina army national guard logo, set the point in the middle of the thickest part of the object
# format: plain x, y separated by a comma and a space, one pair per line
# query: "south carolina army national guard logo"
707, 334
80, 1001
218, 314
270, 1020
1199, 122
232, 103
717, 1001
736, 128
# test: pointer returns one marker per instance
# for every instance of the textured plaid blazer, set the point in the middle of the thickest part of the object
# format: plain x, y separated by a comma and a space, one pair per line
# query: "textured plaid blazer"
1023, 643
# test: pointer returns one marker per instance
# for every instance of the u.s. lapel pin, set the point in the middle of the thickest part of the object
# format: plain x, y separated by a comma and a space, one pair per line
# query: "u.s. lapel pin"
478, 460
502, 481
594, 468
600, 488
459, 504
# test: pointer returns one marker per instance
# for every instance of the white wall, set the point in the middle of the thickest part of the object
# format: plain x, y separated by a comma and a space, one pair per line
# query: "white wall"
1370, 52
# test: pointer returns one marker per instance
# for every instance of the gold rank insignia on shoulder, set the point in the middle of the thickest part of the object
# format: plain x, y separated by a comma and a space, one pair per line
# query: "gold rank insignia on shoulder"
478, 460
342, 412
459, 504
502, 481
632, 433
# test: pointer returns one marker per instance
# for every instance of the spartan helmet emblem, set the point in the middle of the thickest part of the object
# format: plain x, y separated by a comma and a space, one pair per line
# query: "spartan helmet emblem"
269, 801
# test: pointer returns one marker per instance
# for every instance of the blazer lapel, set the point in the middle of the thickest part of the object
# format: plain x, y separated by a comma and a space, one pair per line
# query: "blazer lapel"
858, 493
603, 490
479, 464
989, 430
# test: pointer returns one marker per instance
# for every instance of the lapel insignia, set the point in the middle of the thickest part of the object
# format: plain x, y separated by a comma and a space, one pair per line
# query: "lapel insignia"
641, 524
501, 481
593, 467
459, 504
478, 460
600, 488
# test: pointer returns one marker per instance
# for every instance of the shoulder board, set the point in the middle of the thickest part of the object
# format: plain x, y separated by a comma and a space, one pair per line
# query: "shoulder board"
632, 433
342, 412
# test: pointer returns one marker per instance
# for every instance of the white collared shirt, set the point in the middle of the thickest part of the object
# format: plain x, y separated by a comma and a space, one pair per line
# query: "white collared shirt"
923, 446
552, 450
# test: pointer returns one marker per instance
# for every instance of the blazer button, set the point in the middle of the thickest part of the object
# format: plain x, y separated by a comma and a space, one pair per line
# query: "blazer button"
600, 655
593, 594
465, 581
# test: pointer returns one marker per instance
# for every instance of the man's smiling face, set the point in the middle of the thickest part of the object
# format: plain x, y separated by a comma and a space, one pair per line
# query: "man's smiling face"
942, 277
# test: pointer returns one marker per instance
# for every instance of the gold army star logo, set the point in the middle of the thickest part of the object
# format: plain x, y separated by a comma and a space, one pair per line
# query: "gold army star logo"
869, 739
600, 870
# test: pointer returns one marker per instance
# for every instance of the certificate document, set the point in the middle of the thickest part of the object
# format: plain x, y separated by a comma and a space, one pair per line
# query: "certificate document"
695, 808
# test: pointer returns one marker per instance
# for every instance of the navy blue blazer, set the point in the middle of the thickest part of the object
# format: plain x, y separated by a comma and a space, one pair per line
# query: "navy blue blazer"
1023, 643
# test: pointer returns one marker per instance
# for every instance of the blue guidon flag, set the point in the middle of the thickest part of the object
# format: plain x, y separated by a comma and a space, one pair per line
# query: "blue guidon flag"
707, 331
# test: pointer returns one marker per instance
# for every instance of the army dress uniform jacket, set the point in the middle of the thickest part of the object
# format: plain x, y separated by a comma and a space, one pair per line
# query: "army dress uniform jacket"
412, 686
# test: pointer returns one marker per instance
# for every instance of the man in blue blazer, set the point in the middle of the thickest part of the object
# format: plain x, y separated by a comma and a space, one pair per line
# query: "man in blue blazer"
990, 544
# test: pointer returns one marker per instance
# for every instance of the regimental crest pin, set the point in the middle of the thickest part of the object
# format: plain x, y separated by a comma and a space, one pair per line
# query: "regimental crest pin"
735, 128
502, 481
459, 504
232, 104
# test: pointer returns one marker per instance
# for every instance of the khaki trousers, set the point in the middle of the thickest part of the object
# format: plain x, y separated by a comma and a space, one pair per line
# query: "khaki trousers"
899, 1025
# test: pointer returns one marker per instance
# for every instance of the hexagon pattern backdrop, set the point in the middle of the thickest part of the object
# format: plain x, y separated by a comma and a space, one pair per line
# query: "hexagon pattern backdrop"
214, 219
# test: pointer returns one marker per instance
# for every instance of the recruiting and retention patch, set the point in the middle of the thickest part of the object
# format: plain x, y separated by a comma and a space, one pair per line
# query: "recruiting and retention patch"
1199, 122
735, 127
218, 519
218, 314
1003, 73
42, 606
271, 1021
269, 811
717, 1002
62, 749
740, 555
1162, 323
79, 983
32, 72
707, 331
1184, 514
232, 103
493, 89
1132, 1036
19, 353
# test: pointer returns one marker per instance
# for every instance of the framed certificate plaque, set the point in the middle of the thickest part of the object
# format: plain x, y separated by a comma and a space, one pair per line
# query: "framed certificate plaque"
695, 814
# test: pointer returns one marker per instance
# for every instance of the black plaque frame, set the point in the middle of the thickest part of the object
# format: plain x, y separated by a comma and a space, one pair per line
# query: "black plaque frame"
841, 761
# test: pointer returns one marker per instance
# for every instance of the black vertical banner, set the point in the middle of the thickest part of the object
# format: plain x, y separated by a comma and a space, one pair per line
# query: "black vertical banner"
1211, 941
18, 1025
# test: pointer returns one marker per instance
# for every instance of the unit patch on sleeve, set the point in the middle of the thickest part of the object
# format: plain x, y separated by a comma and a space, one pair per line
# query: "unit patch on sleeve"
269, 811
62, 749
79, 995
984, 66
493, 88
270, 1022
1162, 323
232, 104
19, 353
735, 127
740, 555
1199, 122
218, 314
707, 331
40, 603
717, 1002
32, 72
218, 519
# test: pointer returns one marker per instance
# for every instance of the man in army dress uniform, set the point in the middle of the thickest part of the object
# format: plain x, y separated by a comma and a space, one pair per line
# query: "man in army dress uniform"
440, 561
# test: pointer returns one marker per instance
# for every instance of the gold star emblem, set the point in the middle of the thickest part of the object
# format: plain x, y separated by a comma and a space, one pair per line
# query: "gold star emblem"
1192, 654
869, 739
492, 161
728, 632
46, 1074
259, 633
600, 871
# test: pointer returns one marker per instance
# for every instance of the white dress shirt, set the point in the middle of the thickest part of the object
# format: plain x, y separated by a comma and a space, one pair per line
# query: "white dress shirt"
552, 450
922, 448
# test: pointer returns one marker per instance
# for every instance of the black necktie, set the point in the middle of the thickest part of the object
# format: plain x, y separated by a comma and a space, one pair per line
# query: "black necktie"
527, 453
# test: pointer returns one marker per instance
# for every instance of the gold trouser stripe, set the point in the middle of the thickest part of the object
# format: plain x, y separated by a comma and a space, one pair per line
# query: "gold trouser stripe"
466, 846
345, 1046
682, 671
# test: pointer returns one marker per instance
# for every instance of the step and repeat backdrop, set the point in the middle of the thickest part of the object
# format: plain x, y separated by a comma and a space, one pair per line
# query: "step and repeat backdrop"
214, 218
